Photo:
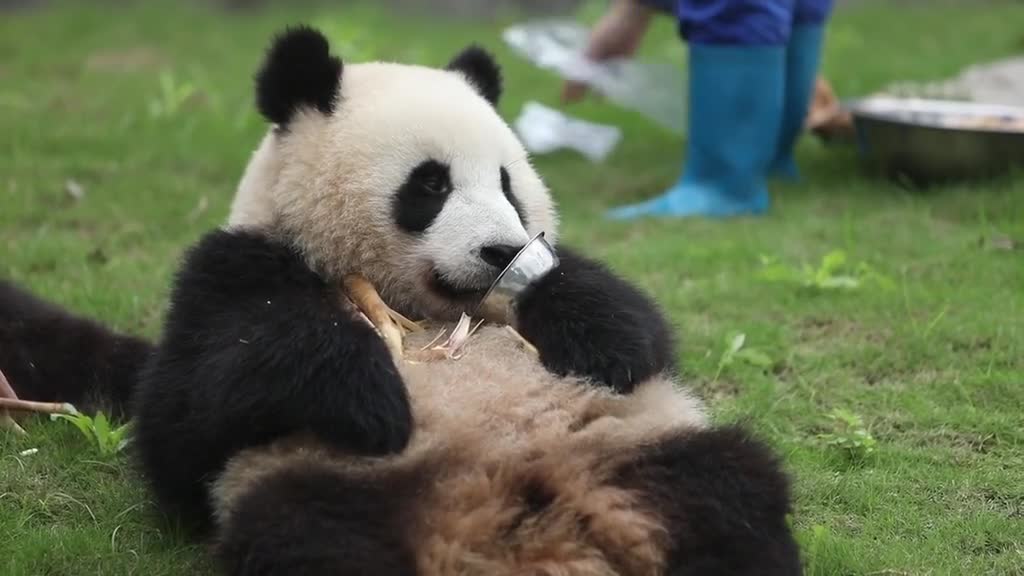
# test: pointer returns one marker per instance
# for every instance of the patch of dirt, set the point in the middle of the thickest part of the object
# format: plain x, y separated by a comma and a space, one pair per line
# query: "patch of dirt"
989, 545
84, 228
454, 8
965, 442
125, 60
713, 392
998, 242
955, 439
819, 337
819, 329
1008, 505
849, 524
65, 101
42, 266
976, 344
97, 257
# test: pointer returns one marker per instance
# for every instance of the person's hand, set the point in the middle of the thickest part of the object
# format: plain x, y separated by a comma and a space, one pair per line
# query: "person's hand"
617, 33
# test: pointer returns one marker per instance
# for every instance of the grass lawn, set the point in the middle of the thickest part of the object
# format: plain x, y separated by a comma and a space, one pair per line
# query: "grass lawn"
149, 109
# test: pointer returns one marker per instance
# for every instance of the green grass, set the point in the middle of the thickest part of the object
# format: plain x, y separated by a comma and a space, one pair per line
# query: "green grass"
933, 363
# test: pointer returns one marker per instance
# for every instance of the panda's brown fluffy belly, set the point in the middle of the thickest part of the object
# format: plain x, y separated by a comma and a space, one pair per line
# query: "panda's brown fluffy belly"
513, 468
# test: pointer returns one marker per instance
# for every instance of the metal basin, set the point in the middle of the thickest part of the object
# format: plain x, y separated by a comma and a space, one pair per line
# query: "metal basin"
935, 141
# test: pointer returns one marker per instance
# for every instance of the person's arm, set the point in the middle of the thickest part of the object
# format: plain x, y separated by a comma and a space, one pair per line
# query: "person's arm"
618, 33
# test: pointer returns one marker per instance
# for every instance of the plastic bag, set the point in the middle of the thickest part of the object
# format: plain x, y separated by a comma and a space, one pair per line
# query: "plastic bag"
544, 130
658, 91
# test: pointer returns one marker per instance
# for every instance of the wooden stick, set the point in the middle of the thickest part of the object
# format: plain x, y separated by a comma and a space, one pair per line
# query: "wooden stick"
32, 406
6, 421
6, 391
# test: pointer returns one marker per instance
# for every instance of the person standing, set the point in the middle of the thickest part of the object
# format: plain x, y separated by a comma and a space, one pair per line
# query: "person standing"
752, 67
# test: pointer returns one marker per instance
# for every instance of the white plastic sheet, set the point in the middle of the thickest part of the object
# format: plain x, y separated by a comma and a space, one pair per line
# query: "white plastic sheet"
652, 89
544, 130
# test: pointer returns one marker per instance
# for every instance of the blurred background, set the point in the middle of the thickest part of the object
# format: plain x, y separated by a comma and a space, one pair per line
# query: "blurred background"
882, 318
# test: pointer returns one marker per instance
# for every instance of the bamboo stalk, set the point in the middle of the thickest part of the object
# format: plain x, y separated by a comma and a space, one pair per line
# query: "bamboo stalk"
366, 298
392, 326
522, 340
404, 322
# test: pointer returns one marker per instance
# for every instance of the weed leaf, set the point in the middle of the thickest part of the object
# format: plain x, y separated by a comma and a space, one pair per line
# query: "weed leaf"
833, 273
754, 357
101, 427
81, 421
735, 343
98, 432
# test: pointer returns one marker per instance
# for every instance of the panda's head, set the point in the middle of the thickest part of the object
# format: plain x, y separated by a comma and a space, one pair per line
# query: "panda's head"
404, 174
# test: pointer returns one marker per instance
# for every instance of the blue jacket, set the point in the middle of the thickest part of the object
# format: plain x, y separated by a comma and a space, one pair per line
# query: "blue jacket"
742, 22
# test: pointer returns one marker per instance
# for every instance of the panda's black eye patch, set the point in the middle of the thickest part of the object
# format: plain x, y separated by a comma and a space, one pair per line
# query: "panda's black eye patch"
433, 177
506, 187
422, 196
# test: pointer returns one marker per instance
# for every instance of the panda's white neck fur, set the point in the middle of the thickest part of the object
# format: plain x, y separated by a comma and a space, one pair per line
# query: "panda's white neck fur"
253, 205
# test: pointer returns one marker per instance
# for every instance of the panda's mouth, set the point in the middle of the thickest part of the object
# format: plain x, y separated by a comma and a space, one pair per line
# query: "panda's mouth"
450, 291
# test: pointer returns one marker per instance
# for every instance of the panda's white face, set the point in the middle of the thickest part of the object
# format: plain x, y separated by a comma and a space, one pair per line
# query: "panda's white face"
413, 180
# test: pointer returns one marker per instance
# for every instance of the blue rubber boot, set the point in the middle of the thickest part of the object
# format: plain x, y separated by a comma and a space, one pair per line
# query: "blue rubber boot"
736, 101
803, 55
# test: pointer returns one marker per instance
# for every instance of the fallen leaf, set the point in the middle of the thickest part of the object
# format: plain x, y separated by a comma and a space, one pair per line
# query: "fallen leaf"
74, 189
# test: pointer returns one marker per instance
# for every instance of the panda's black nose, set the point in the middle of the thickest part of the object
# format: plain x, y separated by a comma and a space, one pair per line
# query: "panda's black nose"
499, 255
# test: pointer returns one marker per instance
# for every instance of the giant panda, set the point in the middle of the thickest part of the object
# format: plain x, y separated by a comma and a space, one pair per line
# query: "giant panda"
276, 424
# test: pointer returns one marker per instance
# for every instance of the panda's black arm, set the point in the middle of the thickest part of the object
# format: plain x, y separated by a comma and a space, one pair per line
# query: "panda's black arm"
257, 346
586, 320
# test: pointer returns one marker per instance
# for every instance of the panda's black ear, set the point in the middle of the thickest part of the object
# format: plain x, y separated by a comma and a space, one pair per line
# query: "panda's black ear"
297, 71
481, 70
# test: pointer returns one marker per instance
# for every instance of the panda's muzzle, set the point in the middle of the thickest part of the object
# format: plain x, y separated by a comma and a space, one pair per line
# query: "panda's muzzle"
450, 291
499, 255
497, 258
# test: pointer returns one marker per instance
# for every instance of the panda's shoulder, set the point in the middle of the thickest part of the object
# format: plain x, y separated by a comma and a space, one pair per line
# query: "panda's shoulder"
232, 261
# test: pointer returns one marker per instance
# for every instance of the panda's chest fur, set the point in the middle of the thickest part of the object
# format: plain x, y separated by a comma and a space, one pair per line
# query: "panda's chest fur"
510, 469
499, 393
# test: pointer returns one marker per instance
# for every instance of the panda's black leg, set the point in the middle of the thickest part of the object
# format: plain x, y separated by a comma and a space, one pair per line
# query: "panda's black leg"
585, 320
724, 499
255, 347
51, 354
312, 522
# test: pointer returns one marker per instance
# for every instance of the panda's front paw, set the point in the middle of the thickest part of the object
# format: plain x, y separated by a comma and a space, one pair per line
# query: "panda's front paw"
586, 321
384, 425
368, 409
619, 356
